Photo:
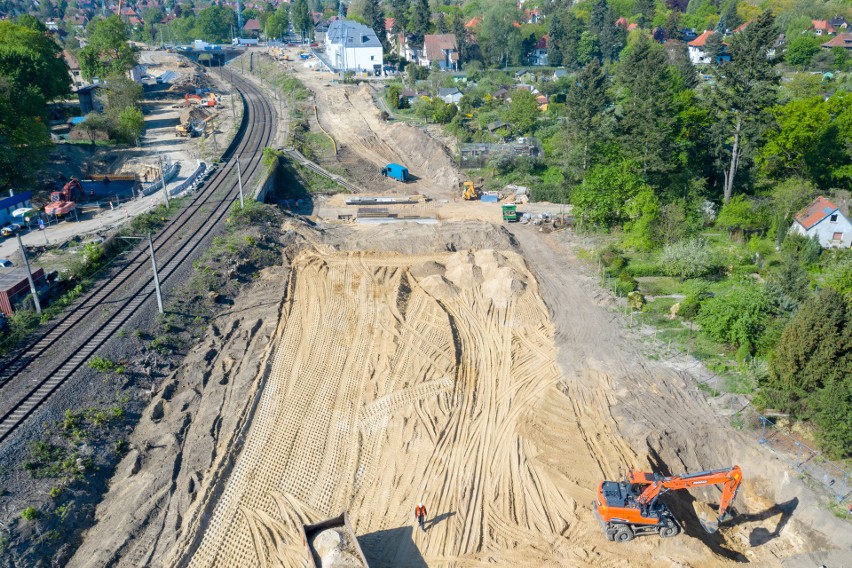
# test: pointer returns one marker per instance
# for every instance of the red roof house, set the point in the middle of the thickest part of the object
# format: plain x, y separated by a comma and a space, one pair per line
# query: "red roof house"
824, 221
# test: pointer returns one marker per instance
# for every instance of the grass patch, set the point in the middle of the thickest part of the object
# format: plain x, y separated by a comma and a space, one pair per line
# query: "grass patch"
659, 285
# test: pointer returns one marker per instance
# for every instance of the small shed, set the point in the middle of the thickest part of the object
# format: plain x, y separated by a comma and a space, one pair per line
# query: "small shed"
14, 287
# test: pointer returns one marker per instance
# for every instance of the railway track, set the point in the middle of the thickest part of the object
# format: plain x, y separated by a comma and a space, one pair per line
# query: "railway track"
130, 285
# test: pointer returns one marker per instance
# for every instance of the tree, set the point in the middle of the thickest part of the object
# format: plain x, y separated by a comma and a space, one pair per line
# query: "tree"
32, 72
648, 122
585, 103
441, 24
742, 214
801, 50
672, 26
277, 23
496, 32
563, 38
605, 193
461, 38
813, 365
420, 21
646, 10
738, 317
130, 124
374, 15
745, 91
714, 47
400, 16
588, 48
394, 94
809, 140
612, 38
523, 111
94, 124
107, 52
121, 93
301, 18
729, 19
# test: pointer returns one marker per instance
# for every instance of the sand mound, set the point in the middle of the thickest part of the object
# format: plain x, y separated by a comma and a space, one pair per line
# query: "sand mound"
438, 287
335, 550
428, 268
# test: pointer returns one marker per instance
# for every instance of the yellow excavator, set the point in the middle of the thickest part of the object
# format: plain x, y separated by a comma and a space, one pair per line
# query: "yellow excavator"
470, 192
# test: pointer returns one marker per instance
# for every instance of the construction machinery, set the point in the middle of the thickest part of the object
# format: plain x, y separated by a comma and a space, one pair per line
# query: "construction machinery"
62, 202
629, 508
510, 212
332, 539
470, 192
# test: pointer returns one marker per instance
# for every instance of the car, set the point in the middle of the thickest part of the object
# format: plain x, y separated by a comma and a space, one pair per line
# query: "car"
6, 263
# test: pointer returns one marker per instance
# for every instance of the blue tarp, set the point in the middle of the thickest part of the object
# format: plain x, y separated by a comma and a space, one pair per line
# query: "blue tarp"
77, 120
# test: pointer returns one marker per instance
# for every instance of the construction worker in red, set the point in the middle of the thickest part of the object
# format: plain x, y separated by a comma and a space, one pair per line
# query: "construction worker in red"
420, 514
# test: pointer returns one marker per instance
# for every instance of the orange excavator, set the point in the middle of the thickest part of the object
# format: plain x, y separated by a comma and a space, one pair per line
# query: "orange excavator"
63, 202
633, 507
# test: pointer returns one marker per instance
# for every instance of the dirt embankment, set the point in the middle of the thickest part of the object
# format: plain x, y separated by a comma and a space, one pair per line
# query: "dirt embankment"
493, 386
366, 143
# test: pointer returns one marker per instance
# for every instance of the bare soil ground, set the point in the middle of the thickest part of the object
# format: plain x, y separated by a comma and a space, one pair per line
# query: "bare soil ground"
366, 143
491, 382
476, 368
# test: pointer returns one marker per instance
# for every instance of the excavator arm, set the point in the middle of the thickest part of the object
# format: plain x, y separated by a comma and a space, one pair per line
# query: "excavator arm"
656, 485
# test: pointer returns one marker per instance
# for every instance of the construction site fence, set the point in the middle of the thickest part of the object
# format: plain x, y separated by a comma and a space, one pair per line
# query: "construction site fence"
169, 174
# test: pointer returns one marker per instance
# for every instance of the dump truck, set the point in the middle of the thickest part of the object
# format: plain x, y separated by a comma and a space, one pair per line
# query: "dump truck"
332, 542
395, 171
510, 212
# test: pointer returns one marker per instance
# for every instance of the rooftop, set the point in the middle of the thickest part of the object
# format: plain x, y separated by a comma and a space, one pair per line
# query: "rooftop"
352, 33
819, 209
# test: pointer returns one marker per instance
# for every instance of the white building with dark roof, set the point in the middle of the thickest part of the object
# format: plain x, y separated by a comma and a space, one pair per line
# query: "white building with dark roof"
350, 46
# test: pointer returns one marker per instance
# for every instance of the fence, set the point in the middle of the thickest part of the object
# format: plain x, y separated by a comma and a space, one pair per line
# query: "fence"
478, 155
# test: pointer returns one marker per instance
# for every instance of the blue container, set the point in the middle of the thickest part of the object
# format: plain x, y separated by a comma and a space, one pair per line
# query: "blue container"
489, 198
397, 172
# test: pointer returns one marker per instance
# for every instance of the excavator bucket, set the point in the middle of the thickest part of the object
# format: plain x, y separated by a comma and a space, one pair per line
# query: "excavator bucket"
709, 523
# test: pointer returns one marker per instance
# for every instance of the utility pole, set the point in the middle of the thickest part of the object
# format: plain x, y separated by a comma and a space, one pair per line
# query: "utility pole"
156, 276
240, 181
29, 275
163, 179
154, 266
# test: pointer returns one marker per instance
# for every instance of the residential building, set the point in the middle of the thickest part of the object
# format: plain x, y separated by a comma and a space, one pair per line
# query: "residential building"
351, 46
450, 95
823, 28
838, 23
697, 49
252, 28
840, 40
73, 70
538, 56
441, 49
824, 220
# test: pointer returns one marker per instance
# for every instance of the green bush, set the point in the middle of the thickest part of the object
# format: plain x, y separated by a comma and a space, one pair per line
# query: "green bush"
30, 514
643, 268
695, 292
625, 284
738, 317
690, 258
